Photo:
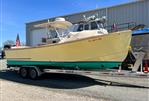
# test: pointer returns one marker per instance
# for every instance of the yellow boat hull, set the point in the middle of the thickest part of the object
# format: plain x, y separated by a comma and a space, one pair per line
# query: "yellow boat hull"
112, 47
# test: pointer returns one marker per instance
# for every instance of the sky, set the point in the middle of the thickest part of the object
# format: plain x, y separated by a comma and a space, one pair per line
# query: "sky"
15, 13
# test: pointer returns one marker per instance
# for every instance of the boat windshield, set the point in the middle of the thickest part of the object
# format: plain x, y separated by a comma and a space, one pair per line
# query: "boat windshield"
58, 33
87, 26
52, 34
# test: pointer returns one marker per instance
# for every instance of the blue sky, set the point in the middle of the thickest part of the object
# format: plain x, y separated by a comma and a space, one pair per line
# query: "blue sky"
15, 13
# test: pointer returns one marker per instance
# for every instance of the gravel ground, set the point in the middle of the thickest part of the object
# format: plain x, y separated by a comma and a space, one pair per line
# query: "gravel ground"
69, 87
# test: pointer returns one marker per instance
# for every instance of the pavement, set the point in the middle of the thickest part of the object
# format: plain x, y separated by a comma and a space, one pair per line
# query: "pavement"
70, 87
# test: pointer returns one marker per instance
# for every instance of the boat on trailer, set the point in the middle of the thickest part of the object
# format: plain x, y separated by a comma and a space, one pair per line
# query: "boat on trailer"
84, 46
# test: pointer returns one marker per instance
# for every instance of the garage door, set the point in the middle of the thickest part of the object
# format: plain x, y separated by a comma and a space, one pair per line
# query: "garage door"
37, 35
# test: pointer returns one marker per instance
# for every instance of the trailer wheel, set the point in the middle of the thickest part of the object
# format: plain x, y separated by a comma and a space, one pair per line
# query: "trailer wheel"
23, 72
33, 74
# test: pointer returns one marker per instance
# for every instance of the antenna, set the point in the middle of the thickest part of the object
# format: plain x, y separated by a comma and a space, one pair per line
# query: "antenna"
97, 16
84, 16
47, 30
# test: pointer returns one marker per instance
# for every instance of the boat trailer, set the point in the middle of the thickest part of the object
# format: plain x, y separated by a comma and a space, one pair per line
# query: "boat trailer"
136, 72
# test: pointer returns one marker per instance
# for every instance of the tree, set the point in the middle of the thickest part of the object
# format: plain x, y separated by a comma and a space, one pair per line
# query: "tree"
9, 42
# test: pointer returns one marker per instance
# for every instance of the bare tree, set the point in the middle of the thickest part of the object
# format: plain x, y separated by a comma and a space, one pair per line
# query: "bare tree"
9, 42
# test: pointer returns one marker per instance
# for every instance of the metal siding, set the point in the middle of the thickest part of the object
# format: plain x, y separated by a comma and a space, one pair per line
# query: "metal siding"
147, 10
79, 17
137, 12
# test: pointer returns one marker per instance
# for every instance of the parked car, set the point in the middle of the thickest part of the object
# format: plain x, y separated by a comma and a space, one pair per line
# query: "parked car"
0, 55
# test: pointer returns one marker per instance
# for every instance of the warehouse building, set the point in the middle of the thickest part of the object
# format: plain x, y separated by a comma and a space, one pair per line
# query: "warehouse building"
130, 14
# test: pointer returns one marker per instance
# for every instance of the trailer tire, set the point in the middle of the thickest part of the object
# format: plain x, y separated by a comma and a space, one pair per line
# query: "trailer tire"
23, 72
33, 74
